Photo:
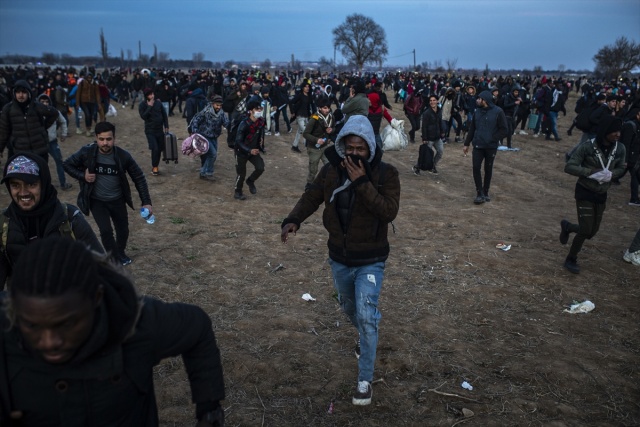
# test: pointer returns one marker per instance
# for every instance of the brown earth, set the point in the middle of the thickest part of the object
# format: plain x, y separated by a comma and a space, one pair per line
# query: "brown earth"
454, 307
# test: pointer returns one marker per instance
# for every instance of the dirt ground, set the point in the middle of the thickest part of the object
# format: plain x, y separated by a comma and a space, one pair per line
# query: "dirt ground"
454, 308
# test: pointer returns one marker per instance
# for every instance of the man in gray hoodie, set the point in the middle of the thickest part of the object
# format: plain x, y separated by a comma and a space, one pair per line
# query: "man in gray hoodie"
361, 195
489, 125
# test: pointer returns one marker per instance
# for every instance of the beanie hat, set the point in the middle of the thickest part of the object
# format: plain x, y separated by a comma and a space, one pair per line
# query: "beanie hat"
216, 99
255, 88
254, 102
265, 89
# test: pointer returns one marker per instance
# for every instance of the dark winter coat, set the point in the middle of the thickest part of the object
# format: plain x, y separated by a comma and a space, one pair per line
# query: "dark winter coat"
110, 380
23, 128
489, 125
373, 203
431, 124
154, 116
86, 158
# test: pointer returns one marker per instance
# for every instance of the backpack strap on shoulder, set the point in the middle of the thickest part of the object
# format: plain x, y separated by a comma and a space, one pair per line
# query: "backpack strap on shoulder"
65, 227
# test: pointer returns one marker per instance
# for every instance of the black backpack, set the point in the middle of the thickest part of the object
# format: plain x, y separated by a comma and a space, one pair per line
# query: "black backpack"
582, 120
425, 157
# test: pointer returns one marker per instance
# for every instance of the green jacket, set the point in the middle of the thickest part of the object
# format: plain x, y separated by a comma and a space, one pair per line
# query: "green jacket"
584, 162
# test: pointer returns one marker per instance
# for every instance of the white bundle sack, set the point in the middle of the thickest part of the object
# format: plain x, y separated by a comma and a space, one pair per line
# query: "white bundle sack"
394, 137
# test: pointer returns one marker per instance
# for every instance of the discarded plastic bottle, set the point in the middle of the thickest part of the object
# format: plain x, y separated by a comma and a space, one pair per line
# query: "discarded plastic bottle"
147, 216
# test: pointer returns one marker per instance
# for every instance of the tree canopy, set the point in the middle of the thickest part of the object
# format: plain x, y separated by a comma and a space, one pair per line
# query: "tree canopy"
361, 40
617, 59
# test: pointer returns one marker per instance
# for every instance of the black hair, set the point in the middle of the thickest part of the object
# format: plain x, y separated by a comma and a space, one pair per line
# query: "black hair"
54, 266
105, 127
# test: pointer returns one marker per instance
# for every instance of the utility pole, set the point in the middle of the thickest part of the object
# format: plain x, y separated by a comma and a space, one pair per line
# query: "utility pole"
414, 59
139, 50
334, 57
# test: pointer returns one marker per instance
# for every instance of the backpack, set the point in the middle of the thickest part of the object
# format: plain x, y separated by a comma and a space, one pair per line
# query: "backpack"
582, 120
233, 129
227, 105
64, 228
413, 104
425, 157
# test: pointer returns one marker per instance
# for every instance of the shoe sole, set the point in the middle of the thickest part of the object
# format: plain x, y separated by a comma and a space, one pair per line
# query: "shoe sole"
564, 235
362, 402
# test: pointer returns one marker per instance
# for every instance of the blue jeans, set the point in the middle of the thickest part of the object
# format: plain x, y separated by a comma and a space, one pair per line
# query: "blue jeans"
208, 159
553, 117
54, 150
358, 291
302, 123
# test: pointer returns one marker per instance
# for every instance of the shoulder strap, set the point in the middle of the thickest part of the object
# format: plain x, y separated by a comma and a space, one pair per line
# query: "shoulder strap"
65, 226
5, 230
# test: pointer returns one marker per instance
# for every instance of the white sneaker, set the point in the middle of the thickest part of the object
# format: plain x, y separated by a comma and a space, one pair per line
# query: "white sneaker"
78, 131
535, 135
277, 133
267, 133
363, 394
632, 257
523, 132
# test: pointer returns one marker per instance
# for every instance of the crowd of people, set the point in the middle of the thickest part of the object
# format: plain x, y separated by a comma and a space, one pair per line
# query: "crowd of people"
359, 191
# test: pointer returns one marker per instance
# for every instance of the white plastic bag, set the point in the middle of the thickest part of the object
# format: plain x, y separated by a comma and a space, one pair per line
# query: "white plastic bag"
112, 111
394, 137
602, 176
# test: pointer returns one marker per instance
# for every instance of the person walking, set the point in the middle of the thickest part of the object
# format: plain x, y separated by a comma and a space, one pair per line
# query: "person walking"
156, 125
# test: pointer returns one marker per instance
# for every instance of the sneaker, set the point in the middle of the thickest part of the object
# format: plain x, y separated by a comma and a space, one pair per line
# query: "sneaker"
252, 186
413, 141
357, 349
415, 170
88, 133
267, 133
363, 394
239, 196
78, 131
632, 257
523, 132
155, 171
558, 139
207, 177
295, 149
571, 264
277, 133
434, 171
487, 198
458, 139
535, 135
564, 231
479, 199
125, 260
66, 186
289, 131
569, 132
634, 203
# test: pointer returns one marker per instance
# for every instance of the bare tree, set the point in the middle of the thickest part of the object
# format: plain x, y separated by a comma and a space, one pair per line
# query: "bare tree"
537, 70
620, 58
197, 58
562, 68
266, 64
325, 62
163, 58
426, 65
361, 40
437, 66
451, 64
155, 53
103, 48
121, 57
228, 64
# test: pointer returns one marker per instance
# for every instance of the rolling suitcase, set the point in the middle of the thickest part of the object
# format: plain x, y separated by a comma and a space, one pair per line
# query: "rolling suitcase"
533, 121
170, 152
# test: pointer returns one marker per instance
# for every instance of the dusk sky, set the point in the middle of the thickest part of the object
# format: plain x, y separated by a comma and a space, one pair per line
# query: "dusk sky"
501, 33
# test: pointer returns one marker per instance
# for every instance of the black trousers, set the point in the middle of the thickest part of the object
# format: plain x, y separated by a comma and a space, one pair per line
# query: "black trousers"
589, 219
486, 155
241, 169
103, 213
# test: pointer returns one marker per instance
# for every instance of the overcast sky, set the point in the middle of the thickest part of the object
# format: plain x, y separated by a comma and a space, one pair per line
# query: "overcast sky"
501, 33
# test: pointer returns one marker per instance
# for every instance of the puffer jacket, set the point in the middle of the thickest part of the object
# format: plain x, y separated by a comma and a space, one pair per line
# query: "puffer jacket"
154, 116
431, 124
109, 382
584, 161
374, 202
25, 130
209, 124
86, 158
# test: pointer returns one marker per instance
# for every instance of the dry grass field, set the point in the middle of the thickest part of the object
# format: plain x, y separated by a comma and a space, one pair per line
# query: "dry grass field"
454, 307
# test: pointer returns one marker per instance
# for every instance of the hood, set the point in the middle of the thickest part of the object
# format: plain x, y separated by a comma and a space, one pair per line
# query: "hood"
48, 190
516, 87
471, 89
44, 96
487, 97
607, 125
360, 126
23, 84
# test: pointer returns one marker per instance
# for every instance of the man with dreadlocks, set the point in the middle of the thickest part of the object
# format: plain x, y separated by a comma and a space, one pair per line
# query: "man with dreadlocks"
78, 345
35, 212
209, 123
318, 133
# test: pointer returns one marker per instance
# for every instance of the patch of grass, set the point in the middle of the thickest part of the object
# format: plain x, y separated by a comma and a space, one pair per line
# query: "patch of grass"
176, 220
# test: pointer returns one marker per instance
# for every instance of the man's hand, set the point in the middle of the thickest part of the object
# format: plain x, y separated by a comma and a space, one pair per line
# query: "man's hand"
255, 151
150, 209
166, 130
465, 149
289, 228
89, 177
150, 102
354, 170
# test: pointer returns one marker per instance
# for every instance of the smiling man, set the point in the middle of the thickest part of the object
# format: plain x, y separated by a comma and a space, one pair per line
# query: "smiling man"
35, 212
101, 169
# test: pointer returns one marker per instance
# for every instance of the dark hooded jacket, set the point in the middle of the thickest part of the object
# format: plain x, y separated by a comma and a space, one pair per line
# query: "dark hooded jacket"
356, 214
86, 158
489, 125
23, 126
44, 220
584, 162
109, 382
